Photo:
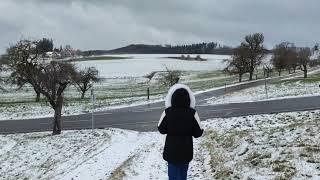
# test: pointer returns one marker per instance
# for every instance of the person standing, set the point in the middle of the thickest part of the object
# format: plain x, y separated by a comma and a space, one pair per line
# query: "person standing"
180, 122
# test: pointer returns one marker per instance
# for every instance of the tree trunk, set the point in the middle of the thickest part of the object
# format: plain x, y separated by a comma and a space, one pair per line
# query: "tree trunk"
251, 75
37, 97
279, 72
83, 94
240, 77
57, 116
37, 94
305, 70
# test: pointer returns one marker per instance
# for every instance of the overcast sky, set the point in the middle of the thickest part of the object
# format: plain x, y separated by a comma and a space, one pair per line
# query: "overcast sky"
107, 24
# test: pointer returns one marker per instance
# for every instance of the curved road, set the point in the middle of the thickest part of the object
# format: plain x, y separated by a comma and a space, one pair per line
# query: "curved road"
145, 117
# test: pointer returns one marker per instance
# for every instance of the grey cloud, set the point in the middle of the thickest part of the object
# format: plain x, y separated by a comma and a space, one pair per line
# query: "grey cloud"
99, 24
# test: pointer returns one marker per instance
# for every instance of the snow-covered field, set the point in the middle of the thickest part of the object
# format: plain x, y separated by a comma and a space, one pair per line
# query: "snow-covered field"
271, 91
139, 65
112, 93
124, 85
278, 146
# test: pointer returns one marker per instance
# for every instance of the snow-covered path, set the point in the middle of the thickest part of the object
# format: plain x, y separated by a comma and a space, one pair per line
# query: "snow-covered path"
123, 147
136, 156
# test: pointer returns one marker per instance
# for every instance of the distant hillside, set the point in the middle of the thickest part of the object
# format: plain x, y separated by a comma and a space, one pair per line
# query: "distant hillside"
200, 48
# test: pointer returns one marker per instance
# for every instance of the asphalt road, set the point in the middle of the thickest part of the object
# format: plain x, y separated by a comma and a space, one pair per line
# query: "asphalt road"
145, 117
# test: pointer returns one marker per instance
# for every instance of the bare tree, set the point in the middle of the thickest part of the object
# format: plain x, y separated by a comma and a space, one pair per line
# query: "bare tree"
267, 69
2, 70
150, 76
284, 56
53, 79
239, 63
290, 56
256, 51
84, 79
169, 77
304, 55
23, 61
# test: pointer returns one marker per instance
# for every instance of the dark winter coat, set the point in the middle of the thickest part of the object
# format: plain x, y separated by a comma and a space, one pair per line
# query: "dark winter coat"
180, 122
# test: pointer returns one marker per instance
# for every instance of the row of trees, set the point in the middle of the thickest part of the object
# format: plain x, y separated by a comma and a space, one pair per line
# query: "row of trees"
50, 79
251, 52
287, 56
247, 56
199, 48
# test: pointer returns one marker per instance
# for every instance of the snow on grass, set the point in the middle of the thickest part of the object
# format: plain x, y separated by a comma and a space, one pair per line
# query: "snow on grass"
74, 154
32, 110
275, 146
285, 89
110, 94
41, 156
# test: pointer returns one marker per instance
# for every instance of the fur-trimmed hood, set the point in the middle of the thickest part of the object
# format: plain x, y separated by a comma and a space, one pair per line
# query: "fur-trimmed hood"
176, 87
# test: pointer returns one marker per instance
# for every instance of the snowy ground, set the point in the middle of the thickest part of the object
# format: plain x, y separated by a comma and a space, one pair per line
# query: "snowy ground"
123, 85
286, 89
112, 93
138, 65
281, 146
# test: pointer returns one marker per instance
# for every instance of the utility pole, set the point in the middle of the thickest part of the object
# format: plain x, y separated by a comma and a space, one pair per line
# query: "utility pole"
93, 100
266, 87
148, 92
225, 88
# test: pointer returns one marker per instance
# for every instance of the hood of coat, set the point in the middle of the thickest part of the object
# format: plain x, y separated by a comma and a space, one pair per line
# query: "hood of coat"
180, 95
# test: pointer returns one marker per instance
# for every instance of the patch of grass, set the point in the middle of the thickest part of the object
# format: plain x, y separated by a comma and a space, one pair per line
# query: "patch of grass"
286, 169
310, 79
223, 173
210, 74
312, 149
119, 173
313, 160
254, 158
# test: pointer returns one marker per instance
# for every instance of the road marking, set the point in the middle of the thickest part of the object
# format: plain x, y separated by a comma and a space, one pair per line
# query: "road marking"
202, 105
98, 114
227, 109
141, 122
224, 109
141, 111
80, 120
160, 107
68, 121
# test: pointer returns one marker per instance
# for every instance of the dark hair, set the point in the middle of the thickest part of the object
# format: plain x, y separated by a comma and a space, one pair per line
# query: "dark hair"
180, 98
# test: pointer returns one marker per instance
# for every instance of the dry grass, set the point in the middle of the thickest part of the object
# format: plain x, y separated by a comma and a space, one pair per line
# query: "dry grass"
119, 173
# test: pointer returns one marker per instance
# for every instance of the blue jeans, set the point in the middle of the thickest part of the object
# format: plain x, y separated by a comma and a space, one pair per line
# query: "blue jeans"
177, 171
